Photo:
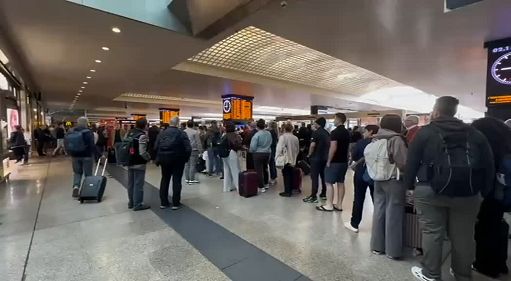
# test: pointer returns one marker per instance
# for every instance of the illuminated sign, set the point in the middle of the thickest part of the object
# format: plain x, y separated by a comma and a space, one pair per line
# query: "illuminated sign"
167, 114
237, 108
498, 78
499, 99
138, 116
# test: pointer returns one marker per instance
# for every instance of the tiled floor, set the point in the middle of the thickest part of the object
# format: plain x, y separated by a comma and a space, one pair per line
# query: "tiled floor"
108, 242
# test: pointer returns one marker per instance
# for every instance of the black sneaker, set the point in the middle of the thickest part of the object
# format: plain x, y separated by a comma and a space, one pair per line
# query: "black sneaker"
76, 192
311, 200
164, 206
175, 208
130, 206
141, 208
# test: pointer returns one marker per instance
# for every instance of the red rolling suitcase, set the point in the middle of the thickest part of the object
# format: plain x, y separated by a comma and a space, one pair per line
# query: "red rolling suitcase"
248, 182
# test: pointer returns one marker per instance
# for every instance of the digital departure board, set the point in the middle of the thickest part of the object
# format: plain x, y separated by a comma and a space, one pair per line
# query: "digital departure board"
237, 108
498, 79
138, 116
166, 114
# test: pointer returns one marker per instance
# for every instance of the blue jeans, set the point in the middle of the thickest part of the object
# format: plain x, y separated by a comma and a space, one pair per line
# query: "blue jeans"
273, 168
81, 166
215, 162
136, 180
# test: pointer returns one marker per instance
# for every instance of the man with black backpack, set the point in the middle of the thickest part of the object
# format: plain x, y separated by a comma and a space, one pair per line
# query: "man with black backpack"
137, 160
79, 143
454, 165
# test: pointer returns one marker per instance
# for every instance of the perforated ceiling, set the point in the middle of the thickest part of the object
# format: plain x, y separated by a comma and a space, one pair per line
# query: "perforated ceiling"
256, 51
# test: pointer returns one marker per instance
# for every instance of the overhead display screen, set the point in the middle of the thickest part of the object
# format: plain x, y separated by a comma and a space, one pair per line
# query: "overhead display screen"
498, 80
167, 114
237, 108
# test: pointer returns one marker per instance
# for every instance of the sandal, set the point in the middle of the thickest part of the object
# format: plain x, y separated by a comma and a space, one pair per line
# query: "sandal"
337, 209
323, 209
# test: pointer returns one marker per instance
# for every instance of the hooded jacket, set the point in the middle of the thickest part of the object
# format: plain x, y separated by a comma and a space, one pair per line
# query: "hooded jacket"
427, 142
397, 147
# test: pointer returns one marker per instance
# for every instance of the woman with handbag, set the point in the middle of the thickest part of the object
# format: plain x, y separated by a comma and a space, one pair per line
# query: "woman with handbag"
287, 151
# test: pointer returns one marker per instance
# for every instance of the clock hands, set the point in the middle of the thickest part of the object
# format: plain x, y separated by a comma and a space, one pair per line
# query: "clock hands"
506, 68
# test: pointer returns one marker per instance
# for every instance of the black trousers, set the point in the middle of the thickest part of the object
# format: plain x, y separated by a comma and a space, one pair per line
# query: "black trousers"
359, 198
250, 161
261, 162
318, 171
40, 147
288, 176
491, 236
21, 152
171, 170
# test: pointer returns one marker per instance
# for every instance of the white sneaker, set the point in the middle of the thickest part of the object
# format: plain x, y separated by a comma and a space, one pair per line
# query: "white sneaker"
262, 190
417, 273
350, 227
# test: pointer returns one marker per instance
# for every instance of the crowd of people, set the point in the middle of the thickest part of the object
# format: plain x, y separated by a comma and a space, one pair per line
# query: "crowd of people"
445, 169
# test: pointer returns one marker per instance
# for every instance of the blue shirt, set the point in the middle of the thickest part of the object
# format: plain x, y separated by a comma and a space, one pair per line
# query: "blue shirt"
261, 142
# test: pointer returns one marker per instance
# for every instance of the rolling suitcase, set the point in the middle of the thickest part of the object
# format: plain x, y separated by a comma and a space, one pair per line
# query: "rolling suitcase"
297, 180
248, 182
93, 187
413, 234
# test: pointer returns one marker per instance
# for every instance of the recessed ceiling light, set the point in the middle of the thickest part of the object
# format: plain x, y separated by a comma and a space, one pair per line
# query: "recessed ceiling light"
80, 91
92, 70
78, 94
85, 82
98, 61
105, 48
88, 77
83, 87
116, 29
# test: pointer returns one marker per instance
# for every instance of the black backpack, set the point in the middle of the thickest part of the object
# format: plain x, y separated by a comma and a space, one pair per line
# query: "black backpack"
456, 170
128, 149
223, 147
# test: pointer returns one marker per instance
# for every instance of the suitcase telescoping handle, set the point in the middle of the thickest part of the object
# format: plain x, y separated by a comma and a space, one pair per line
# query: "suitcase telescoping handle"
99, 164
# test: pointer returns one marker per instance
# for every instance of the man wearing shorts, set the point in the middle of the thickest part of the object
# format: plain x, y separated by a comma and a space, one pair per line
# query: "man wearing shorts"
337, 165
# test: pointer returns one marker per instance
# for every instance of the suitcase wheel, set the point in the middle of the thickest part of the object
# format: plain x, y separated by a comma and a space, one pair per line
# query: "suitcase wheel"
81, 201
99, 200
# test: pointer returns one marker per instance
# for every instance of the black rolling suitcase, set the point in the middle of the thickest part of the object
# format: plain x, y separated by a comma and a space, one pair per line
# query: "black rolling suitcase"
93, 187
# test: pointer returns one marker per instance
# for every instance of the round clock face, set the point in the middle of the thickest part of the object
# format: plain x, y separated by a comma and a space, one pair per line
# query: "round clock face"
501, 69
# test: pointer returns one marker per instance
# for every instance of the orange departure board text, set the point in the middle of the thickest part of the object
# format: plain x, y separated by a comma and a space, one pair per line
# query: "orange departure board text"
138, 116
167, 114
505, 99
237, 108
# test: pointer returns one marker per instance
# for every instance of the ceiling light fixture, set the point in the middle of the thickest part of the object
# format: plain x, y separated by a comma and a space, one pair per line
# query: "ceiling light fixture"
105, 48
92, 70
83, 87
98, 61
88, 77
80, 91
85, 82
116, 29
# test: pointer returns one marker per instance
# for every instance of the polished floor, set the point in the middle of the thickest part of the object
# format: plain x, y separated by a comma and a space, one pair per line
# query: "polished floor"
45, 235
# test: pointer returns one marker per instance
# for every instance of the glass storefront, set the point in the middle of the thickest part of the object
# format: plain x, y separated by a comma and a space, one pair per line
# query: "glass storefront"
18, 106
